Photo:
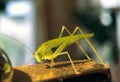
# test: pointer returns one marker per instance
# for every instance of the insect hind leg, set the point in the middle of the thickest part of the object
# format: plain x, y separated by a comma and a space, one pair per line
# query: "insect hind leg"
89, 43
77, 43
62, 30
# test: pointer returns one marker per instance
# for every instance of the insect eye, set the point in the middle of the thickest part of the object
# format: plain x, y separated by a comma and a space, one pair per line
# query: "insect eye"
39, 53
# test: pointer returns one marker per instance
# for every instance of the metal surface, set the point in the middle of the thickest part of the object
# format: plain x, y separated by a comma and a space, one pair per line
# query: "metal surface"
63, 72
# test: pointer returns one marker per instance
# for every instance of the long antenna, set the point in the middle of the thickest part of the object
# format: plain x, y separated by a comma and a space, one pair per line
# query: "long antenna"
20, 43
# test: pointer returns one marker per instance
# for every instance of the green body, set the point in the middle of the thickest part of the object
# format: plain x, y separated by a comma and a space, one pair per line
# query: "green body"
52, 48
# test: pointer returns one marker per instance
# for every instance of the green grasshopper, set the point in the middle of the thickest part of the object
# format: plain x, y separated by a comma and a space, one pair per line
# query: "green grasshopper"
51, 49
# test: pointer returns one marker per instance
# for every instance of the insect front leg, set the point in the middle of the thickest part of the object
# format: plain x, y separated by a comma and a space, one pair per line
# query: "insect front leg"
52, 64
90, 44
72, 64
59, 52
80, 47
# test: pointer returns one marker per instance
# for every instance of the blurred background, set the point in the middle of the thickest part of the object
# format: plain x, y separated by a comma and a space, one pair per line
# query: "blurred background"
25, 24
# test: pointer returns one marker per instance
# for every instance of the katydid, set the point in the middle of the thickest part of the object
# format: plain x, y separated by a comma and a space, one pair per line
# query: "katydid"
51, 49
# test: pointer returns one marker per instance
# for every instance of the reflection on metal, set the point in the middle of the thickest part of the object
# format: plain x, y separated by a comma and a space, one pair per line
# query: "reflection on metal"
6, 70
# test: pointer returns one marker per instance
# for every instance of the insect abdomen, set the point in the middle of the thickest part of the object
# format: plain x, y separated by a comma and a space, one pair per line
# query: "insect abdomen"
75, 38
